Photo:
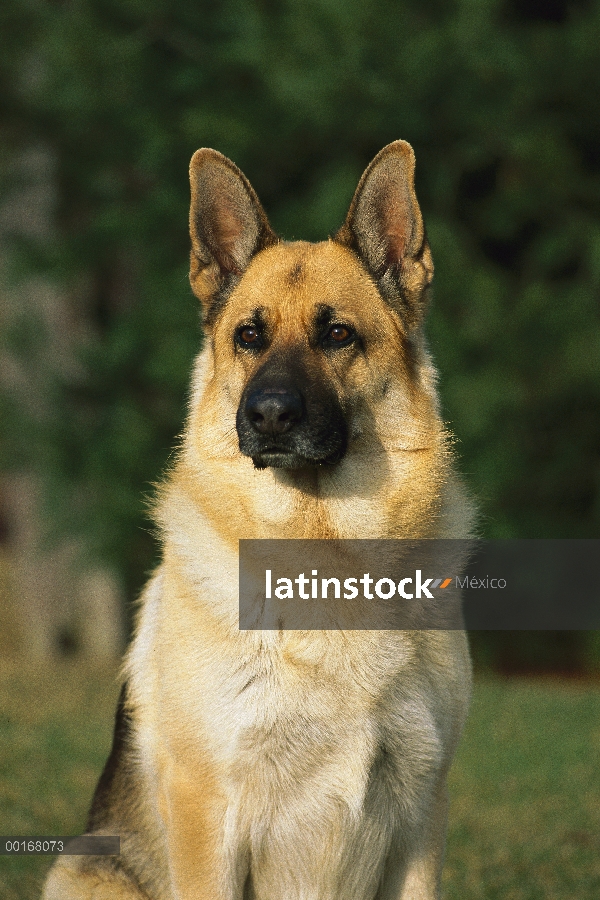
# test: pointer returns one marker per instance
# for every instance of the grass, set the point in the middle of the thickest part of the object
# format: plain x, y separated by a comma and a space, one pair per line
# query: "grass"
55, 734
525, 794
525, 787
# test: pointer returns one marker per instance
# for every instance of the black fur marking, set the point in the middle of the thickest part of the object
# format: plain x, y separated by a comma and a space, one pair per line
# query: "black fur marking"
248, 892
325, 316
248, 684
219, 299
98, 809
296, 274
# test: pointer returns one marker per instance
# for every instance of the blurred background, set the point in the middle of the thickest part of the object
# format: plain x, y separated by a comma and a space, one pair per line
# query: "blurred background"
103, 102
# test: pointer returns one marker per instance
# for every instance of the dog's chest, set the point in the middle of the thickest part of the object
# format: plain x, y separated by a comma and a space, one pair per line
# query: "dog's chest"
305, 758
300, 729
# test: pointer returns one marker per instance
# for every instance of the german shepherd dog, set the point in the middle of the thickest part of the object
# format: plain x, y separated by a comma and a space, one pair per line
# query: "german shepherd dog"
290, 765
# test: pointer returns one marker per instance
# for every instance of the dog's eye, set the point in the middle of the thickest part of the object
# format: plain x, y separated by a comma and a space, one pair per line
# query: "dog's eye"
339, 333
339, 336
249, 336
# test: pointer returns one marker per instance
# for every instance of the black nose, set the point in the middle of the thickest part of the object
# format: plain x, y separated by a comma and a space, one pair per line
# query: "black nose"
273, 411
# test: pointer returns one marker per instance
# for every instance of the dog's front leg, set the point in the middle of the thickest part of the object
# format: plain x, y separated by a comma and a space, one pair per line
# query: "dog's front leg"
414, 865
193, 808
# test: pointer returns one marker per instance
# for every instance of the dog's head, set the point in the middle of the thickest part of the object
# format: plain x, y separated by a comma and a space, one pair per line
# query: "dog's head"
310, 340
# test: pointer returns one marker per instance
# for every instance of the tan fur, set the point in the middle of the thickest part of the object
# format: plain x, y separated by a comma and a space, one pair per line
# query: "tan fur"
283, 764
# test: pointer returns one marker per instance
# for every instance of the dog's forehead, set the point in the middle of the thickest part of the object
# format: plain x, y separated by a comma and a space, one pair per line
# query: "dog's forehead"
300, 277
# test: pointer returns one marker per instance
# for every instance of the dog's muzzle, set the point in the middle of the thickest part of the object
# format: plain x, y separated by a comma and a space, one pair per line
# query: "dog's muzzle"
279, 426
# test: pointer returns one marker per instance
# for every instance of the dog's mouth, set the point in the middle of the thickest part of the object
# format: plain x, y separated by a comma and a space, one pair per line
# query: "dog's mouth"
283, 458
277, 458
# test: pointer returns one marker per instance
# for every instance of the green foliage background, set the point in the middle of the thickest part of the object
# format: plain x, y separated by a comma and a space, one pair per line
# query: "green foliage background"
501, 101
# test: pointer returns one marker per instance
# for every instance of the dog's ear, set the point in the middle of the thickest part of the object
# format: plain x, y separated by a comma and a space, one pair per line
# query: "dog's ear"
227, 227
384, 227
